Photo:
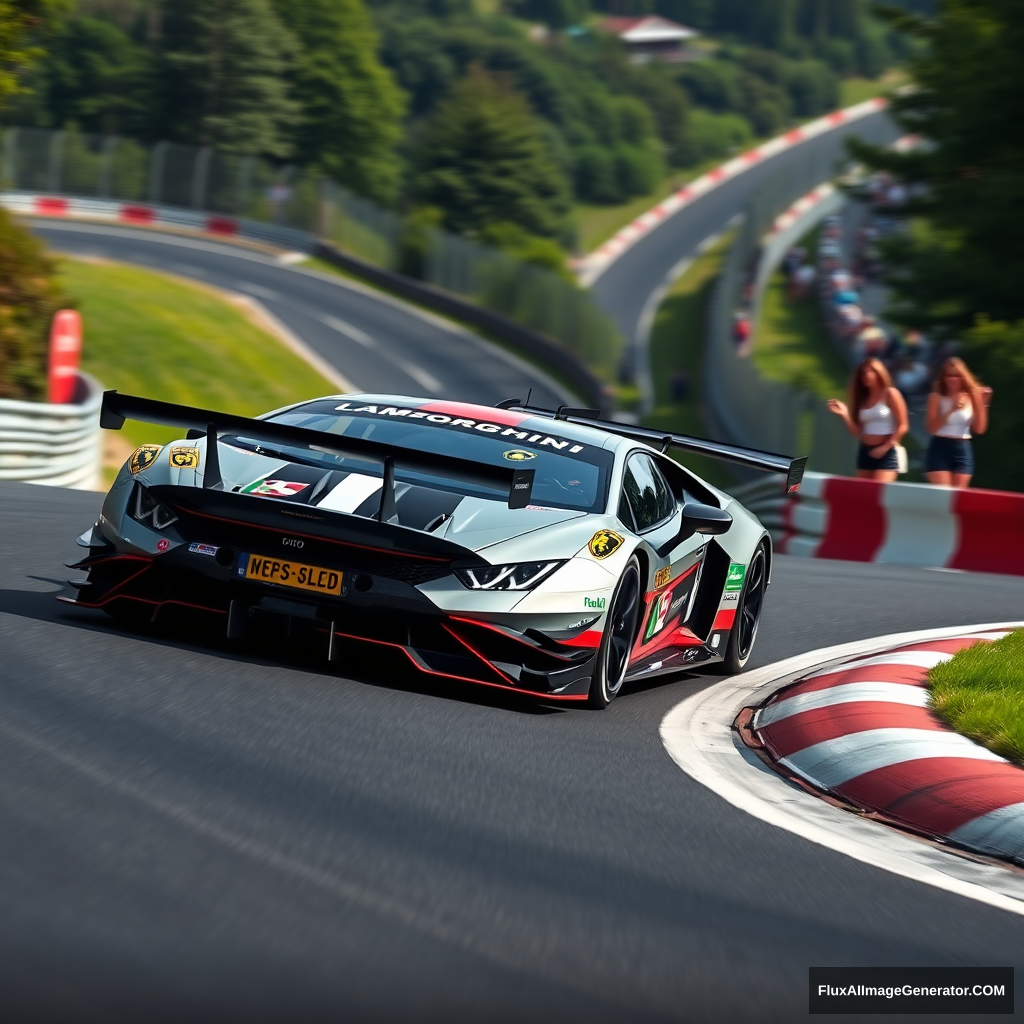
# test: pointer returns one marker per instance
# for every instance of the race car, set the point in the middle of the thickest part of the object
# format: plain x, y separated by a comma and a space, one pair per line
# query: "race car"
546, 552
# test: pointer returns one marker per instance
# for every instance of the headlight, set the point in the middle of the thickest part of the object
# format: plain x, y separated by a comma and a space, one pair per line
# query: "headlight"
147, 510
521, 576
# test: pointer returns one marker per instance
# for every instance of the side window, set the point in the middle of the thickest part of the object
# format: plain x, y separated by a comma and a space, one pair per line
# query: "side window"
624, 513
648, 494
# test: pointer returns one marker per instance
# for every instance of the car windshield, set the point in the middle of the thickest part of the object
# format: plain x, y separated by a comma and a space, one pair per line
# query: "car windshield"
568, 474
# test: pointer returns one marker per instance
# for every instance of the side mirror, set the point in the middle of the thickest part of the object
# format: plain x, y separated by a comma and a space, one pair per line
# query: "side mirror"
706, 518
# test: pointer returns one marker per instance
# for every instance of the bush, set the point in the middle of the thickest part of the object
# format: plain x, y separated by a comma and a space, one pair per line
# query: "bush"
709, 136
638, 169
995, 352
29, 297
596, 180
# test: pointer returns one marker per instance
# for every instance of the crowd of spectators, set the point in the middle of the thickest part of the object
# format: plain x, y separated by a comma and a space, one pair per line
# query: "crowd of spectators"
837, 276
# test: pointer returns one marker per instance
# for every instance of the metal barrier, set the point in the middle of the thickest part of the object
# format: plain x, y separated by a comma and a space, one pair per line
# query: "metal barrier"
59, 445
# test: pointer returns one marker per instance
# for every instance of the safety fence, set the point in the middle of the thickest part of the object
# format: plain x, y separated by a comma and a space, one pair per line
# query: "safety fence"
172, 185
901, 524
58, 445
743, 406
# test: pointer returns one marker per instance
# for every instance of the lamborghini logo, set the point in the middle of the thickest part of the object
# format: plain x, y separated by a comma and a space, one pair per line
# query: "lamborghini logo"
185, 458
604, 543
143, 457
518, 455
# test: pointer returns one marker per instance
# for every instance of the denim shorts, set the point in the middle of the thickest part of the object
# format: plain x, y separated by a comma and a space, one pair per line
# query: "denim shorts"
865, 460
950, 455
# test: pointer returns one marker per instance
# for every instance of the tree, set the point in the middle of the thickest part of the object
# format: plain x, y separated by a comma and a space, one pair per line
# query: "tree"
350, 123
484, 160
964, 254
224, 64
19, 20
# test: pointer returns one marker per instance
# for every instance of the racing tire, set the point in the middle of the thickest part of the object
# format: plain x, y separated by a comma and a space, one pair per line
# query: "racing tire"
748, 616
619, 635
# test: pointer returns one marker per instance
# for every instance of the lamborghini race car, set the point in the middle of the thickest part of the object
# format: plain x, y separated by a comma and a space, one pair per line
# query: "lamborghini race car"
547, 552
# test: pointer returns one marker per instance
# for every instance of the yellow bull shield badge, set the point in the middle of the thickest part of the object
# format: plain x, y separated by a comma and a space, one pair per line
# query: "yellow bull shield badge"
143, 457
185, 458
604, 543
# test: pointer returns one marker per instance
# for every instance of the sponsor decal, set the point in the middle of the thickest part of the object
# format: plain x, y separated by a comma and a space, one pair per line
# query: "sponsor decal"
163, 544
293, 542
661, 577
558, 444
518, 455
203, 549
275, 488
594, 602
604, 543
185, 458
143, 457
733, 596
737, 573
659, 615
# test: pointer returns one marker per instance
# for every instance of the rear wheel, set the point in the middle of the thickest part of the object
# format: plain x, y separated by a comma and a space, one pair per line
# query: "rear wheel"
617, 642
748, 615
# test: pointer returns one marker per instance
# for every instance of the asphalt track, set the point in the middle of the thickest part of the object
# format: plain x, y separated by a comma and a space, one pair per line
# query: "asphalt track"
623, 288
379, 344
196, 831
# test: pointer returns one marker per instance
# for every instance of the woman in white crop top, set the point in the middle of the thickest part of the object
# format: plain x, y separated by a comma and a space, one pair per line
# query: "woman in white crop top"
877, 415
957, 408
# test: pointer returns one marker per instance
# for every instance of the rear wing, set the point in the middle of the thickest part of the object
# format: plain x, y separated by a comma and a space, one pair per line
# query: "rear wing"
117, 408
769, 462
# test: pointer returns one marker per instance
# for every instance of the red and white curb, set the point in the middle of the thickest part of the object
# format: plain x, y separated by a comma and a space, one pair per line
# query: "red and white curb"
594, 264
862, 731
852, 721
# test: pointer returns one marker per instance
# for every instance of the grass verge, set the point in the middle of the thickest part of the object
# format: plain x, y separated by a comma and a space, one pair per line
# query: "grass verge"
158, 336
791, 343
677, 344
980, 693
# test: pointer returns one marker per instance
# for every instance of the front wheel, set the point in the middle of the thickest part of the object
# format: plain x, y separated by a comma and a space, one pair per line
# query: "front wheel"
748, 615
617, 642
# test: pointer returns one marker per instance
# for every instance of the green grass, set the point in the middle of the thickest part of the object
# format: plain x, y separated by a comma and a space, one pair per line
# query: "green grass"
980, 693
791, 344
157, 336
597, 224
857, 90
677, 343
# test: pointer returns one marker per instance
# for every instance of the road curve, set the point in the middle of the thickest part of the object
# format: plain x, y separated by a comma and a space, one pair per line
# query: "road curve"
379, 343
193, 831
623, 289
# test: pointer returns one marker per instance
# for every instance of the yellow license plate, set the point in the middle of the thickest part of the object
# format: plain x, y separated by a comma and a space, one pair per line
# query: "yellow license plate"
294, 574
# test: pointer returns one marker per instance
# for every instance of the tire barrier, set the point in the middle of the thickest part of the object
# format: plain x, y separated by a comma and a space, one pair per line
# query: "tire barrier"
900, 524
58, 445
862, 731
594, 264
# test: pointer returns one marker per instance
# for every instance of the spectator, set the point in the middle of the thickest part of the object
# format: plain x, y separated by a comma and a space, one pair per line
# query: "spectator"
741, 331
877, 415
805, 277
871, 340
910, 376
957, 405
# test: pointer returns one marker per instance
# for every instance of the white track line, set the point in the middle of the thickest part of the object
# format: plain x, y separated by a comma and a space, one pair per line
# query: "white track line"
698, 736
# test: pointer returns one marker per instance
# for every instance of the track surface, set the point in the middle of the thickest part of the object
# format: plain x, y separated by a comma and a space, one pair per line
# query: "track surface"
380, 345
622, 290
201, 831
193, 830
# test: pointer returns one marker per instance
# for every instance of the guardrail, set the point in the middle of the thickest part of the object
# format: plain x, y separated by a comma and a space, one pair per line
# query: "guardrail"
901, 524
58, 445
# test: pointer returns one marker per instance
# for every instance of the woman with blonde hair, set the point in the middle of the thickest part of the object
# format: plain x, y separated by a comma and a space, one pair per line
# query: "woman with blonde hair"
957, 406
877, 415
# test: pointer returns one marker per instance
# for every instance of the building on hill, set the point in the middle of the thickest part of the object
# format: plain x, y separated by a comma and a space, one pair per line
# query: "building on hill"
651, 38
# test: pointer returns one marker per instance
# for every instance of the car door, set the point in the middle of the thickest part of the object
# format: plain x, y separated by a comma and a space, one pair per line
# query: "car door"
656, 511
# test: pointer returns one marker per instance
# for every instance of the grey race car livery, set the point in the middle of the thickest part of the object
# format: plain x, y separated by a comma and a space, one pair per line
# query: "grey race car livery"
545, 552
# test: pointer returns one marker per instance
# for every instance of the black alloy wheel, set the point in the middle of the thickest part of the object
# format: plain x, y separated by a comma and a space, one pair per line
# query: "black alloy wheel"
619, 635
748, 614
